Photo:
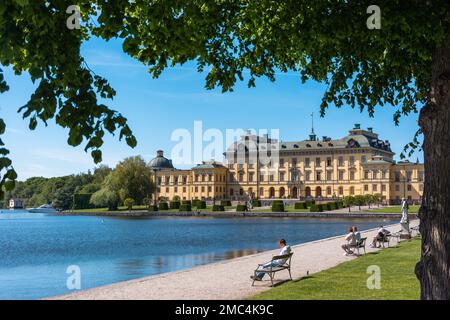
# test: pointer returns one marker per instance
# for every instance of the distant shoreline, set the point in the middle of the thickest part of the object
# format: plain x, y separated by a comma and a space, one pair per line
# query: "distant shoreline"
144, 213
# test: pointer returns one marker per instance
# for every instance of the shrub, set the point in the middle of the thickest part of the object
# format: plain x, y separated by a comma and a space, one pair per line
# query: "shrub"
277, 206
176, 198
300, 205
152, 208
225, 203
241, 207
82, 201
218, 207
175, 204
328, 206
186, 202
195, 202
256, 203
200, 204
340, 204
316, 208
309, 203
185, 207
128, 202
163, 206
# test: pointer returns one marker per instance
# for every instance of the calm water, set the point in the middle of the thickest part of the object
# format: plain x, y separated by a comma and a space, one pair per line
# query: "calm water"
35, 249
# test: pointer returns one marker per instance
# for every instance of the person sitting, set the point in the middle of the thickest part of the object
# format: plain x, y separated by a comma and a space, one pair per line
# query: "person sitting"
357, 234
285, 249
350, 241
382, 232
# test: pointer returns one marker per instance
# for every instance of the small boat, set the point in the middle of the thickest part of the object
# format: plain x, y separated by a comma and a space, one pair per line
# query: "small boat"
45, 208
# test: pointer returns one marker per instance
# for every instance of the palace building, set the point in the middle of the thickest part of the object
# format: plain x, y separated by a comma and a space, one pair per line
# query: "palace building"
359, 163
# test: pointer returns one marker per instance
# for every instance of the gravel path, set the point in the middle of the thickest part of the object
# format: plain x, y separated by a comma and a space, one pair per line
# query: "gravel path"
227, 279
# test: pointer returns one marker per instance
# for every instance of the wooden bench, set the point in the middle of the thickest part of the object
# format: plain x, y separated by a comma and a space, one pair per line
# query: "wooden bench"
360, 244
271, 270
385, 239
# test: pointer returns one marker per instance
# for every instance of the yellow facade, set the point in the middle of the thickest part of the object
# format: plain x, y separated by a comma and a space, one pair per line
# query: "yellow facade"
359, 163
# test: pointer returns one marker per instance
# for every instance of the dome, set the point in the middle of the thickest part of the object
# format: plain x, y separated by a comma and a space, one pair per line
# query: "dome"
159, 162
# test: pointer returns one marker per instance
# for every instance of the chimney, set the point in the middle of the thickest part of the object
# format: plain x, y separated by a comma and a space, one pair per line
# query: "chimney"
159, 153
370, 129
357, 126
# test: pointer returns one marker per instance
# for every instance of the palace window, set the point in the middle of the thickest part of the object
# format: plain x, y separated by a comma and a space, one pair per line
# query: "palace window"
341, 161
421, 175
375, 187
318, 176
341, 191
352, 175
196, 178
397, 176
281, 176
329, 175
294, 162
408, 176
184, 189
366, 187
366, 174
159, 180
175, 189
352, 160
308, 176
167, 179
341, 175
328, 190
175, 180
209, 189
307, 164
203, 178
184, 180
261, 192
203, 189
281, 162
383, 187
250, 176
363, 159
294, 176
210, 177
167, 189
241, 177
409, 187
397, 187
271, 177
261, 177
352, 190
317, 162
329, 162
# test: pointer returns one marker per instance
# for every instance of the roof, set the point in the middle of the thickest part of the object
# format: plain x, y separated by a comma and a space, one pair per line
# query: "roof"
355, 139
208, 165
160, 162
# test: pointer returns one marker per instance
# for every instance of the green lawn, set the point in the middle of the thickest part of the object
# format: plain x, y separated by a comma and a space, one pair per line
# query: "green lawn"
348, 281
135, 208
414, 209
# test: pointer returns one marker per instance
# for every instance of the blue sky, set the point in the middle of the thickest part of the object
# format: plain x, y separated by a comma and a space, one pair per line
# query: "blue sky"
156, 107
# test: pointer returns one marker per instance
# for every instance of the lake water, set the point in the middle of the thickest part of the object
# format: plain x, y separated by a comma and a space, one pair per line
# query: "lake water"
36, 249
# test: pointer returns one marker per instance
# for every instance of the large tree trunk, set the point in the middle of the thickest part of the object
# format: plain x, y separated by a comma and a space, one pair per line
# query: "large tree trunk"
433, 270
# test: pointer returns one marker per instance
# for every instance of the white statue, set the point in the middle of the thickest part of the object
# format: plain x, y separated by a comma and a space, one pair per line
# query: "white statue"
405, 207
404, 222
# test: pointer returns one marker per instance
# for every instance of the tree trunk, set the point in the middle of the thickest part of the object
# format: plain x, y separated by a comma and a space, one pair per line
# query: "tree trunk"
433, 270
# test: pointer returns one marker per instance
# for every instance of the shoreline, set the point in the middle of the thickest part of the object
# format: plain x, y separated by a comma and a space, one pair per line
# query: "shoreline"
158, 214
201, 282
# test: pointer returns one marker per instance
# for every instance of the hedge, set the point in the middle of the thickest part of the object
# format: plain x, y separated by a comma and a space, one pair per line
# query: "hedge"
185, 207
163, 206
218, 207
241, 207
340, 204
175, 204
195, 202
309, 203
300, 205
186, 202
152, 208
225, 203
82, 201
316, 208
200, 204
277, 206
256, 203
